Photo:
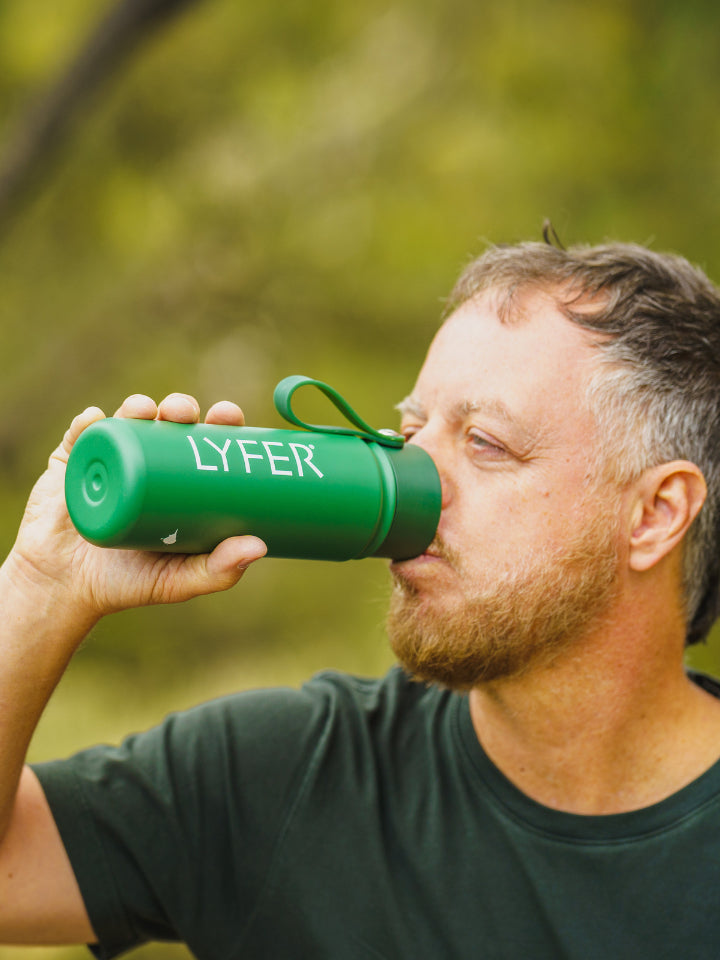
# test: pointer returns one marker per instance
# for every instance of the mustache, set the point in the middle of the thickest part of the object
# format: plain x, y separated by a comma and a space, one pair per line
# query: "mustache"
439, 548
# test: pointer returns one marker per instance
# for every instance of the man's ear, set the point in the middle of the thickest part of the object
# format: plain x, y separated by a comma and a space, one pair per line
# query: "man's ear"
667, 500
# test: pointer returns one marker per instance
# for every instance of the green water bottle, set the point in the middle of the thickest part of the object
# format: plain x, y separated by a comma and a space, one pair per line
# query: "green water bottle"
321, 493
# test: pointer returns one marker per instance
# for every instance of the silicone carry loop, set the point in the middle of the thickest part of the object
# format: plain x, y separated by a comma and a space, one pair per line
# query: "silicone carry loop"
282, 399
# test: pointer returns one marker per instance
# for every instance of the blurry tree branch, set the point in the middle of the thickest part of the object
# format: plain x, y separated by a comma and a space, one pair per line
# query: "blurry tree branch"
29, 156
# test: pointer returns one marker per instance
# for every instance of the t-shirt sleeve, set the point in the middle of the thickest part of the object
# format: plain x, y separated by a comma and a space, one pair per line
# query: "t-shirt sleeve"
165, 828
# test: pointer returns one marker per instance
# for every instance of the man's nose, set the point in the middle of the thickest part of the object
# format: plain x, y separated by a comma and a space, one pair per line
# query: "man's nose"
432, 442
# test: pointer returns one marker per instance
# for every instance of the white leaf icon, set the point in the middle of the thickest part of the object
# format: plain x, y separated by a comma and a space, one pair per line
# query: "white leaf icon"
171, 539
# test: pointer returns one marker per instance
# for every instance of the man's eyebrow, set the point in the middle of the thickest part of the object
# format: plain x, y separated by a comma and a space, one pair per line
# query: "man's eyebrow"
495, 408
522, 438
411, 407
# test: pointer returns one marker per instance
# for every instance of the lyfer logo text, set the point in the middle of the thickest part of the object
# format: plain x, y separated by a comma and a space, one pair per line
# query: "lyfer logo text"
296, 463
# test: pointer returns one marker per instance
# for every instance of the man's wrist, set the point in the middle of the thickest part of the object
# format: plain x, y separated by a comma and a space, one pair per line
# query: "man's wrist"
32, 599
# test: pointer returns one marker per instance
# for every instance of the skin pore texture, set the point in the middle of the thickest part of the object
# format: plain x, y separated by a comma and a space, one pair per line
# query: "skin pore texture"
551, 593
526, 615
531, 556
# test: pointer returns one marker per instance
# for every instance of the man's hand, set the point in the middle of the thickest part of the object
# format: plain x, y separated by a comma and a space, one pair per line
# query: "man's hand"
92, 581
53, 587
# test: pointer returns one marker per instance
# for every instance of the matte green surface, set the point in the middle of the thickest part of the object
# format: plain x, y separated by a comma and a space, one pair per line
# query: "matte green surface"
183, 488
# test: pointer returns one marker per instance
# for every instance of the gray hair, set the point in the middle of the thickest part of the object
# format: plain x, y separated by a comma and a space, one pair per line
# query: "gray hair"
657, 395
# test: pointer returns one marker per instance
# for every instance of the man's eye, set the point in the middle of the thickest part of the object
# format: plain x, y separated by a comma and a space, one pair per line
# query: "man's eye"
481, 442
408, 431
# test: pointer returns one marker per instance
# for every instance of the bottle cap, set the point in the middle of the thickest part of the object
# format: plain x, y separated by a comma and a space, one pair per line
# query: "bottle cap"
105, 481
418, 501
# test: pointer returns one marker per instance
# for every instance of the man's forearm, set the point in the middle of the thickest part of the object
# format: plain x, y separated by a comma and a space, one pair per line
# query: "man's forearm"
39, 632
40, 628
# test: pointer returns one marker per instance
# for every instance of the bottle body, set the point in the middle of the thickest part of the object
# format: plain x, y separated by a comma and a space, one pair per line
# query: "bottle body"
183, 488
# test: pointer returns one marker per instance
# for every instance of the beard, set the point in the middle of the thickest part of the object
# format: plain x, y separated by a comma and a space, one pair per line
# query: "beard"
527, 616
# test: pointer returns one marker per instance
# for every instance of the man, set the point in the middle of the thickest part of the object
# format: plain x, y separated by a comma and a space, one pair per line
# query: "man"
552, 790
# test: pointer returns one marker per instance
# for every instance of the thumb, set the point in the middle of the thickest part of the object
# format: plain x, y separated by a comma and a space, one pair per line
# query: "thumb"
81, 421
230, 559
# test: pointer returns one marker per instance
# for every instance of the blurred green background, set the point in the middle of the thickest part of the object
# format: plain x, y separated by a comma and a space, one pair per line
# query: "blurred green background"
265, 189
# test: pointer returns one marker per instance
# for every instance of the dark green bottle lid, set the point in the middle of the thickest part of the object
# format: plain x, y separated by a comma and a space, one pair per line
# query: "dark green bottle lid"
418, 500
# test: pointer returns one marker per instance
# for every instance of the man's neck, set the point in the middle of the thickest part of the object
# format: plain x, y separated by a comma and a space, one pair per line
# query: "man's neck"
615, 725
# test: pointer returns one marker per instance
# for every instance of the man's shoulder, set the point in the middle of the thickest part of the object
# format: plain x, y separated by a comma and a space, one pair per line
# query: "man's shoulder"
395, 688
287, 719
339, 699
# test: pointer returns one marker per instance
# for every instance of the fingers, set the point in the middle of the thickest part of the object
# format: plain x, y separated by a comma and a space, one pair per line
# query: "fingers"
225, 413
183, 408
137, 407
179, 407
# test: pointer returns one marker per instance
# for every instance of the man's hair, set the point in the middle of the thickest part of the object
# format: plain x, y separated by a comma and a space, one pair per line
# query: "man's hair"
657, 394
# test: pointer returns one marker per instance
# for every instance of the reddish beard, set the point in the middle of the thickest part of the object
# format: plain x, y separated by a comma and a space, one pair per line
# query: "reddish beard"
526, 616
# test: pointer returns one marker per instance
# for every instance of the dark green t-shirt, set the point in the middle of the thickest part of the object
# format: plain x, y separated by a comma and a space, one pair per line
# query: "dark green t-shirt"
361, 819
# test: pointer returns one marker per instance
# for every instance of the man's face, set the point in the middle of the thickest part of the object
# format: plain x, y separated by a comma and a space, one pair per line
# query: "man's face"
526, 555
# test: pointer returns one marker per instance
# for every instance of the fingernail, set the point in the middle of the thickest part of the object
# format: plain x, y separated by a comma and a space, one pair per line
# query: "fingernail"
192, 409
255, 549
